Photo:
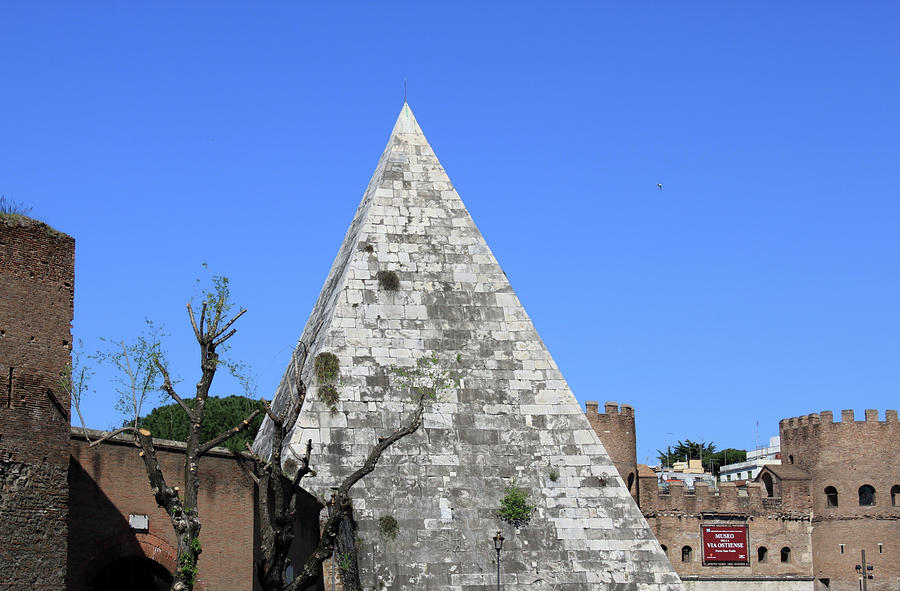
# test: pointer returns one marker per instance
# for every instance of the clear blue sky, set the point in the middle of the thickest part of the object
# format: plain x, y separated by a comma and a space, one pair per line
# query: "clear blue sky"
761, 283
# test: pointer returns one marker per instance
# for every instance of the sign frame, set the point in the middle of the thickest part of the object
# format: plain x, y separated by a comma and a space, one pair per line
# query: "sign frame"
715, 557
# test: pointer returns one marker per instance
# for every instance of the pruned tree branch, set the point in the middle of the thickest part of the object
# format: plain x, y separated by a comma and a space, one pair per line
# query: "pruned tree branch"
277, 497
194, 322
270, 413
342, 503
226, 435
170, 389
226, 327
108, 436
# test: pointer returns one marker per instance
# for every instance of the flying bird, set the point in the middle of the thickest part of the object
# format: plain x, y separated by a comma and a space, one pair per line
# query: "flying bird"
659, 185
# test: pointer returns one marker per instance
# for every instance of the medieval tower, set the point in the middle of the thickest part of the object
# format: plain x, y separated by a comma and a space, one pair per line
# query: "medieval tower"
615, 428
854, 489
415, 278
37, 276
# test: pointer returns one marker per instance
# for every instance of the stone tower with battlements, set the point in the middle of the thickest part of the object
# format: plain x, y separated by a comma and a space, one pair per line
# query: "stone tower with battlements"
854, 488
513, 418
615, 428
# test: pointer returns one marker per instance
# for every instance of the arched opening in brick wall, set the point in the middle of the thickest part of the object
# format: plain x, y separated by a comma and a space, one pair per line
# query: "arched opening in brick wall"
770, 487
630, 481
686, 552
131, 573
665, 549
895, 495
831, 496
135, 551
785, 554
762, 554
866, 495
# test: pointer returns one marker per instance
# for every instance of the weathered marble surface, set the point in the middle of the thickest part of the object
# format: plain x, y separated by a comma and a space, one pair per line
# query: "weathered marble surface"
513, 418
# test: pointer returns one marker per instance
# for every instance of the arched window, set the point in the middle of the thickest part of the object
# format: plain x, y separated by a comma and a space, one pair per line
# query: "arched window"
686, 554
785, 554
831, 496
895, 495
630, 481
762, 553
866, 495
665, 548
767, 482
790, 459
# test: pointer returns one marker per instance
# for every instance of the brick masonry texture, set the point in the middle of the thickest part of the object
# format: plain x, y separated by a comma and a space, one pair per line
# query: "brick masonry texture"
616, 431
847, 455
786, 507
108, 483
512, 419
36, 302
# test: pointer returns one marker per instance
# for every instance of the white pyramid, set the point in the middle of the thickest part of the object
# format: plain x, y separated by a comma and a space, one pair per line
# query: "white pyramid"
513, 418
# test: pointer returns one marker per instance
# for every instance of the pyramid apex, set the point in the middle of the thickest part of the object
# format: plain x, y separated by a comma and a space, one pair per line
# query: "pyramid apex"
406, 122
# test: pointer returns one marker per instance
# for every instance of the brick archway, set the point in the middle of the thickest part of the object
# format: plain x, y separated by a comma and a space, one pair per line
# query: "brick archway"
158, 550
127, 545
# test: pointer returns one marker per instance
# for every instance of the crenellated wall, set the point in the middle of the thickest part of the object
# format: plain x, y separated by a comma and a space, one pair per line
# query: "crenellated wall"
788, 506
844, 456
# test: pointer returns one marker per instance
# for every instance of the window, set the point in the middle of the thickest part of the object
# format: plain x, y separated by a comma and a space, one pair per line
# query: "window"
770, 488
686, 554
664, 548
842, 548
762, 554
785, 554
790, 459
895, 495
831, 496
866, 495
880, 548
630, 481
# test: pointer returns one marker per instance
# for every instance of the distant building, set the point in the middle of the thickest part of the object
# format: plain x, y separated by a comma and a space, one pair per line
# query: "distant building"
756, 459
687, 473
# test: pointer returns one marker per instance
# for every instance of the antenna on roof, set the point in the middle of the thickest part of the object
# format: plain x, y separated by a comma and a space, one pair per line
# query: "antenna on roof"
757, 435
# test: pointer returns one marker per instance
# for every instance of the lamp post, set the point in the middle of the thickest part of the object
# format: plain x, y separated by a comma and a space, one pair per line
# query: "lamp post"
498, 545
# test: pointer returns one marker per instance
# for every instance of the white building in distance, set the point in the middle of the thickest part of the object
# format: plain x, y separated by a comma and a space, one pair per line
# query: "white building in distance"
756, 459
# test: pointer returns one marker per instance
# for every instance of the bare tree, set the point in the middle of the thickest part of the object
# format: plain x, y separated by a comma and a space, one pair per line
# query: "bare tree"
212, 328
278, 491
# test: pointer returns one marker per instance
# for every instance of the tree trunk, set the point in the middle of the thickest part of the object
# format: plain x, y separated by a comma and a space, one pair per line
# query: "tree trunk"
348, 553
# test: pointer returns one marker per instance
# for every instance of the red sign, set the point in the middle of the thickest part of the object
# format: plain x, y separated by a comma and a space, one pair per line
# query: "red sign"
725, 543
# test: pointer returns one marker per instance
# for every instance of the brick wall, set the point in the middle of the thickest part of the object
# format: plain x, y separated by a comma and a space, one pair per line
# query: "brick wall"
36, 301
846, 455
615, 428
825, 540
676, 518
108, 483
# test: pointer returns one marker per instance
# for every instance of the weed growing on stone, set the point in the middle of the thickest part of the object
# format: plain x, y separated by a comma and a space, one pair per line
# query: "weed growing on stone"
329, 395
388, 280
388, 527
327, 368
514, 507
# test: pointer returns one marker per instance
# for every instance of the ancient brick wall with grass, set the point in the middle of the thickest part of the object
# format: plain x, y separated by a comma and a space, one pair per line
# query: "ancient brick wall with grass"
36, 300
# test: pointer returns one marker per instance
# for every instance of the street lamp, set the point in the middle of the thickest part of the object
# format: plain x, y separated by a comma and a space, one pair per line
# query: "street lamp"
498, 545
